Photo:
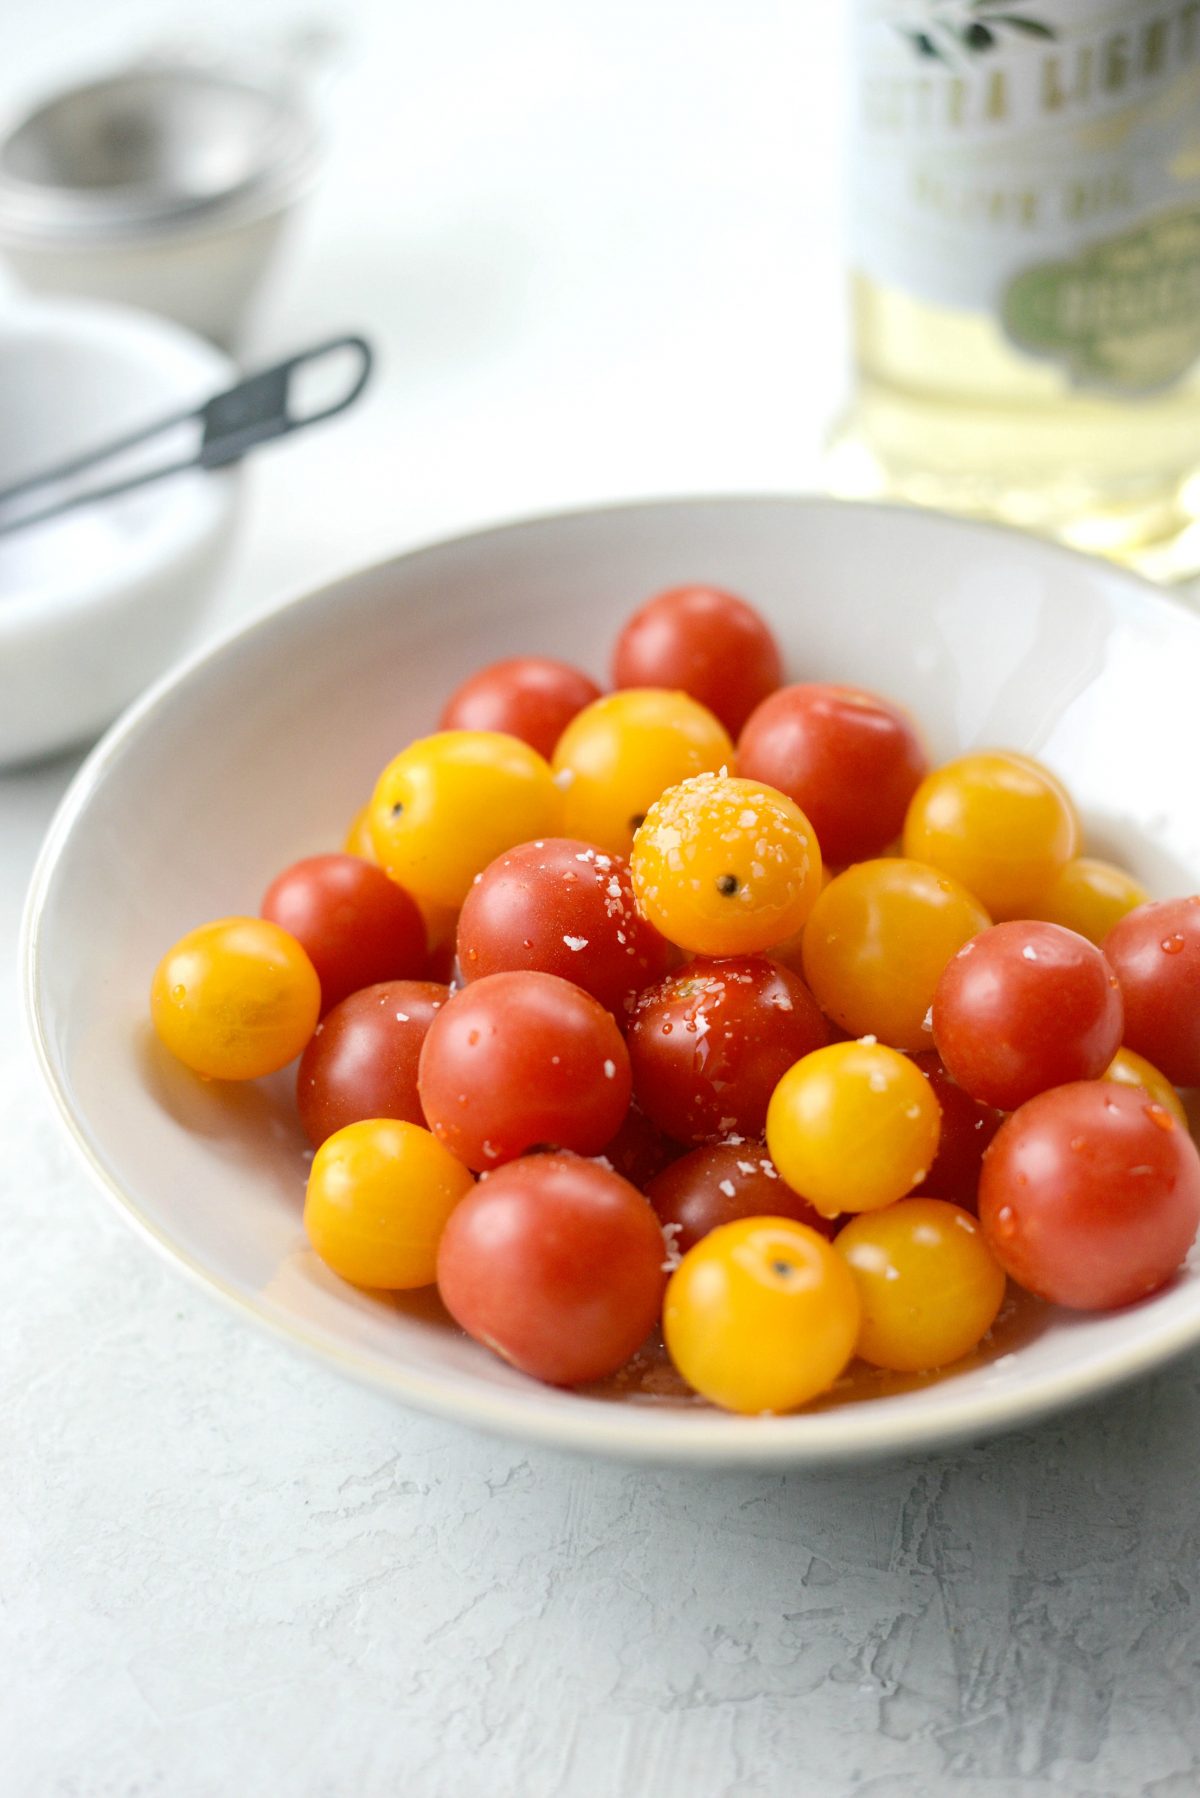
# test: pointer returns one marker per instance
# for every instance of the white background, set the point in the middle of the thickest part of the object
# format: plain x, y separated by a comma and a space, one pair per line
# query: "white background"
597, 248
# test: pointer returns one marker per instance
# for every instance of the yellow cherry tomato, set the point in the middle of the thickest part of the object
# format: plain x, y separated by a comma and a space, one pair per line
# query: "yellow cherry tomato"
235, 999
853, 1127
877, 941
998, 822
1090, 896
761, 1315
379, 1196
929, 1286
358, 837
621, 753
724, 866
1128, 1069
450, 803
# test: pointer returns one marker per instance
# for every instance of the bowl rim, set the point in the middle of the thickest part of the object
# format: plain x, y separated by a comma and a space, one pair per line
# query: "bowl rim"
698, 1436
107, 331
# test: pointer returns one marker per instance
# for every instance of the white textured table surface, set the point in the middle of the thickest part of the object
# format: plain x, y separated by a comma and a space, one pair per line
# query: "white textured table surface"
597, 247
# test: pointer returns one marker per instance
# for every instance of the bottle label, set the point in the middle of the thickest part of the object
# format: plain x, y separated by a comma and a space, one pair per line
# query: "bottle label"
1038, 161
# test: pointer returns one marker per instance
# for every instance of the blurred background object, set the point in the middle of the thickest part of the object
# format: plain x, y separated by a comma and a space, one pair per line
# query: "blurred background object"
1025, 253
161, 186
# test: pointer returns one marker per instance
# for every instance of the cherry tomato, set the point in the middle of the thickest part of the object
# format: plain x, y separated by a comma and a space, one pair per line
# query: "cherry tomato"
725, 867
853, 1127
356, 925
358, 837
967, 1129
639, 1151
705, 642
556, 1265
622, 753
849, 759
1090, 896
1026, 1006
876, 944
235, 999
521, 1061
379, 1196
449, 804
1128, 1069
1000, 823
709, 1043
1155, 951
720, 1183
761, 1315
531, 697
1090, 1195
565, 908
362, 1059
929, 1285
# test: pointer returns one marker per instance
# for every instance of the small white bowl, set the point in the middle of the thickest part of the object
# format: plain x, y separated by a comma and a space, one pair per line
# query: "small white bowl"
260, 752
158, 186
95, 604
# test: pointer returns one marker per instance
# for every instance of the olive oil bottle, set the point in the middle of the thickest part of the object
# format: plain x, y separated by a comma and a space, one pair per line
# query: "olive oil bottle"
1025, 268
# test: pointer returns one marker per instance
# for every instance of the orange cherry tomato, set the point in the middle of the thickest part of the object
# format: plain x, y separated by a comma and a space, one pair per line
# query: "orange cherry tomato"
761, 1315
235, 999
930, 1287
380, 1193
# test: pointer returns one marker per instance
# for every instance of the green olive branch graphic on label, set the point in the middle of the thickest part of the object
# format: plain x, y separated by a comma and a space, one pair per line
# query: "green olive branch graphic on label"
973, 27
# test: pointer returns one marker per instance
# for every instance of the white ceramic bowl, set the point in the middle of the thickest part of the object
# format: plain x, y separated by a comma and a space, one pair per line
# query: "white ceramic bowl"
261, 751
95, 604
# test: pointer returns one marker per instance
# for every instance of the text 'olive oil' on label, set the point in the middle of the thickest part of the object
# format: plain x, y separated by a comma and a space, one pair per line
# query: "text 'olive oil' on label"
1037, 161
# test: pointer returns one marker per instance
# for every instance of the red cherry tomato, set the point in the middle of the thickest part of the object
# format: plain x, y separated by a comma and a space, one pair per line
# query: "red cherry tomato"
1155, 952
967, 1129
639, 1150
709, 1044
1025, 1006
1090, 1195
719, 1184
357, 926
563, 907
362, 1062
849, 759
521, 1061
557, 1265
531, 697
707, 643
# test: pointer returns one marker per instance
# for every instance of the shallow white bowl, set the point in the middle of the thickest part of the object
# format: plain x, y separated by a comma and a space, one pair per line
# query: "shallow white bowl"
95, 604
261, 750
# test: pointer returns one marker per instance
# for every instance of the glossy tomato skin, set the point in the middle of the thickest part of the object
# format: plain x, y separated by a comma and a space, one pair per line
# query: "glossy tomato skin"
878, 939
379, 1194
726, 867
561, 906
640, 1151
709, 1044
1090, 1195
929, 1285
362, 1060
531, 697
721, 1183
849, 759
967, 1129
1155, 951
557, 1265
520, 1061
235, 999
761, 1315
709, 644
1025, 1006
357, 926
